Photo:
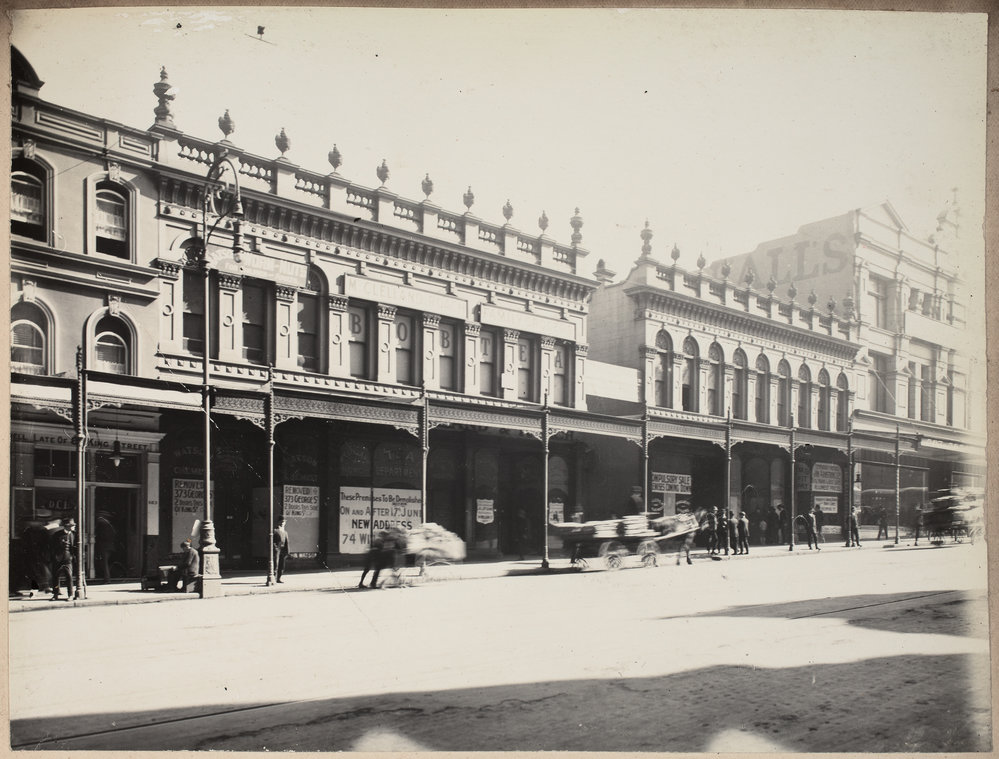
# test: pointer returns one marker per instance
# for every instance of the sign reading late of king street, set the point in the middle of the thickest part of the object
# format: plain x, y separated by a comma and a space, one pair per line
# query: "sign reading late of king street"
259, 266
818, 257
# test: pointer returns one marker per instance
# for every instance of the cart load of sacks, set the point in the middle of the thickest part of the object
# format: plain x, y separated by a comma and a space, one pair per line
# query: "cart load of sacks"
637, 525
431, 538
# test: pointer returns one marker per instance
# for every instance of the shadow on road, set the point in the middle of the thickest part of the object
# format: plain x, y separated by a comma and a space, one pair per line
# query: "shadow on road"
962, 613
889, 704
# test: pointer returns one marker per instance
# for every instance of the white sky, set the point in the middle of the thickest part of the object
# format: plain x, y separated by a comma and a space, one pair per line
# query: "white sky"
722, 128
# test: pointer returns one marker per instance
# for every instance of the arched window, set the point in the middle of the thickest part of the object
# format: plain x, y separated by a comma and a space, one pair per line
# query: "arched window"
111, 223
688, 382
740, 384
310, 321
783, 393
762, 399
804, 396
27, 200
823, 410
843, 407
111, 346
664, 370
28, 343
716, 380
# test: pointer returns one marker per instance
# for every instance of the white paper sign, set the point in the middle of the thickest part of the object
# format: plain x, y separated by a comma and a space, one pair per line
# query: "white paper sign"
300, 504
395, 507
827, 478
365, 511
188, 505
670, 482
484, 512
355, 519
556, 512
828, 504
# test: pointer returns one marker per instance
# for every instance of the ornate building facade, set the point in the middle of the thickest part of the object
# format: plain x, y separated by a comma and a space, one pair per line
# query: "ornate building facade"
863, 392
373, 360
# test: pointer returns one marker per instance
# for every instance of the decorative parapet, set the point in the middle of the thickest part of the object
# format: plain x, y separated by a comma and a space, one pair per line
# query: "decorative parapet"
339, 194
722, 292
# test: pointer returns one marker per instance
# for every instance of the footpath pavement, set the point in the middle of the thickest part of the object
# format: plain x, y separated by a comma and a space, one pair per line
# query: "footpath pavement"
244, 583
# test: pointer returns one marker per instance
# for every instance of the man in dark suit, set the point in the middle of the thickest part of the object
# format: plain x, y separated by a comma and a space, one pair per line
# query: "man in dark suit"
281, 549
63, 549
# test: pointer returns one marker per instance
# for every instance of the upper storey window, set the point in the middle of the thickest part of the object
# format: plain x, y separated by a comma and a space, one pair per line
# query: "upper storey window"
878, 290
310, 322
28, 346
111, 223
739, 384
111, 352
663, 369
27, 200
688, 380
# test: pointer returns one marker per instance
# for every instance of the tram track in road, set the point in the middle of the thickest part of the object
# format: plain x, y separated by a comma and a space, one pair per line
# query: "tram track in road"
56, 742
875, 604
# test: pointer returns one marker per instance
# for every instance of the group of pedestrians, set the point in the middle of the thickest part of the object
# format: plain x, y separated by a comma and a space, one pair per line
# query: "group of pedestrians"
725, 530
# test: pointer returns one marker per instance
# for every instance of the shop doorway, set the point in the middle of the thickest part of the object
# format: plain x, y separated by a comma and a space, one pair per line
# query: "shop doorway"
117, 533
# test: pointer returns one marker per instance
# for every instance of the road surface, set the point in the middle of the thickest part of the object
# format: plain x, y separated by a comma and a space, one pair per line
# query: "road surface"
863, 650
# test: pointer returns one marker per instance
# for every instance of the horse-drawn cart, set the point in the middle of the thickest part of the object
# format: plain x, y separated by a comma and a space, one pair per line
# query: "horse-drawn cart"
610, 542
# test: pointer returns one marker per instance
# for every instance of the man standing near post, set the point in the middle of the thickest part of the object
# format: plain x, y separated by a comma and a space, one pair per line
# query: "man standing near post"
281, 549
63, 550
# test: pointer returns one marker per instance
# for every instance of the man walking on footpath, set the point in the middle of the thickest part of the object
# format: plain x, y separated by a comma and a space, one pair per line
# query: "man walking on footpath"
819, 522
281, 549
63, 545
743, 529
853, 534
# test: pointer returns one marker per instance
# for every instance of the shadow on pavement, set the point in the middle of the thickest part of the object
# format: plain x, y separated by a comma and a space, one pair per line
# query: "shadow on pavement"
952, 612
882, 705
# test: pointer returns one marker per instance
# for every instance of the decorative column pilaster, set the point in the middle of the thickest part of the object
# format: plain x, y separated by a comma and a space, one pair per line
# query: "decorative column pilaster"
230, 324
471, 354
728, 384
339, 358
508, 376
703, 367
647, 355
579, 377
772, 399
171, 307
431, 351
547, 368
285, 332
385, 370
676, 400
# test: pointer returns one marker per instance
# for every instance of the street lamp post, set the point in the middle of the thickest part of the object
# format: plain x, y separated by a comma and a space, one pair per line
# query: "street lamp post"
80, 437
794, 487
898, 480
224, 203
546, 447
728, 477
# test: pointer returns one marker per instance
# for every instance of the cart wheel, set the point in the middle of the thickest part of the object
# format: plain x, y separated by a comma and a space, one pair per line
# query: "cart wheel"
612, 552
649, 551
